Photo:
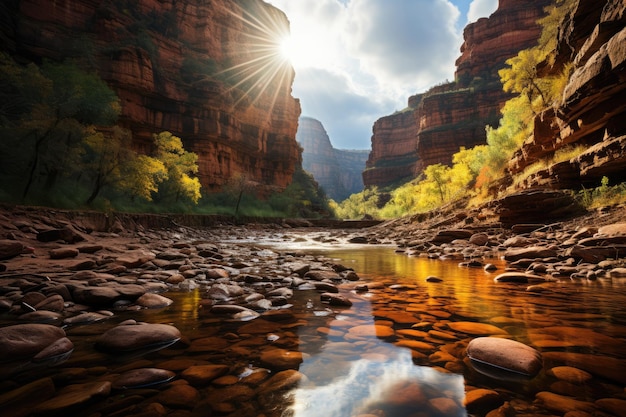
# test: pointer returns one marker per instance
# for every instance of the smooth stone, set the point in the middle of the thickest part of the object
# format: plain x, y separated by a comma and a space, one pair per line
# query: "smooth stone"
143, 377
57, 352
125, 338
371, 330
317, 275
281, 381
474, 328
415, 345
135, 258
480, 398
55, 302
85, 318
27, 340
532, 252
563, 404
603, 366
74, 395
42, 316
151, 300
10, 248
570, 374
335, 300
433, 279
203, 374
614, 406
505, 354
179, 396
520, 277
63, 253
281, 359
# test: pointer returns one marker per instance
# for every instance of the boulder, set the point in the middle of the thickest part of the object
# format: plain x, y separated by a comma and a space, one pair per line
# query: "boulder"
505, 354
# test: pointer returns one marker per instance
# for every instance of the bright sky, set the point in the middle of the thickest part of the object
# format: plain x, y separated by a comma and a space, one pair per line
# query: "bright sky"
359, 60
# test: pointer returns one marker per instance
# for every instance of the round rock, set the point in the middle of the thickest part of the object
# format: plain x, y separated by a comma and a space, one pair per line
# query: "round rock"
126, 338
505, 354
27, 340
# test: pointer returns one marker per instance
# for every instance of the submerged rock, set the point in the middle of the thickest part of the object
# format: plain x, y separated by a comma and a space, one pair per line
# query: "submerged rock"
505, 354
131, 337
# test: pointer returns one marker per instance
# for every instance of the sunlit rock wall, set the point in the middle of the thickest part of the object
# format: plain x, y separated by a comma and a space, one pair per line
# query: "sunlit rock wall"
168, 62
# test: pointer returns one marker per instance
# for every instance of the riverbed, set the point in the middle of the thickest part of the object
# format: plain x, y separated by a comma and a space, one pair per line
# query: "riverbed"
397, 350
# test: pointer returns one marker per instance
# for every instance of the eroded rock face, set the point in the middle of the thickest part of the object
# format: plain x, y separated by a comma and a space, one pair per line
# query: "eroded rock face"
592, 113
168, 63
338, 171
435, 124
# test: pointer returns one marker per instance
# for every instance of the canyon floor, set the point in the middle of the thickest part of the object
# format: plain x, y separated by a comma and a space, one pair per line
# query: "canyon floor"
65, 274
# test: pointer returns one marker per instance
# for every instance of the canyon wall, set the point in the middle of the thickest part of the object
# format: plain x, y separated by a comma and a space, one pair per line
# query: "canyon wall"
196, 69
592, 114
437, 123
337, 171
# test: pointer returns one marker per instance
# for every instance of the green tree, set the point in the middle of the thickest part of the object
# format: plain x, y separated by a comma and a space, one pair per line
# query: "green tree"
180, 165
44, 115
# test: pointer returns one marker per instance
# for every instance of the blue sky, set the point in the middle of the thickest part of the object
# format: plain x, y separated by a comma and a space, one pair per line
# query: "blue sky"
359, 60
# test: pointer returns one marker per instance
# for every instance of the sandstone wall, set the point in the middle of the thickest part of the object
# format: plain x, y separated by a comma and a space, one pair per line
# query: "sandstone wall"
447, 117
592, 114
168, 62
337, 171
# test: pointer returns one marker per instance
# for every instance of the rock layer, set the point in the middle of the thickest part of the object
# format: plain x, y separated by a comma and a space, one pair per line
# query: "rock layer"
592, 113
172, 64
437, 123
338, 171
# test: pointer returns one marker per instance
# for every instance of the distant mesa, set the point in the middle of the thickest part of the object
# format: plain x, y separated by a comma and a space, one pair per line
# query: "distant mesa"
337, 171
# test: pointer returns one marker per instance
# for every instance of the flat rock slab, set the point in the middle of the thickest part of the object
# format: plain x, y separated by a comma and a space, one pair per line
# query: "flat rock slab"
505, 354
127, 338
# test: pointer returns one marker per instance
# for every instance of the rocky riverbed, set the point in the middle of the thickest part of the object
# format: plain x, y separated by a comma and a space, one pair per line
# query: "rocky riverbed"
76, 293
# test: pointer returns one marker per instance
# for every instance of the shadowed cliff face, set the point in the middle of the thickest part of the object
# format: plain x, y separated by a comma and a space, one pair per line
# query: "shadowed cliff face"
337, 171
592, 114
437, 123
192, 68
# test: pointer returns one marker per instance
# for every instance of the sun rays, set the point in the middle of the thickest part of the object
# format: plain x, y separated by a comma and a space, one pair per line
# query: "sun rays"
262, 66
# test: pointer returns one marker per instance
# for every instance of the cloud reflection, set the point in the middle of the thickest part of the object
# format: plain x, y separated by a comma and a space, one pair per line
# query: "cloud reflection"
383, 378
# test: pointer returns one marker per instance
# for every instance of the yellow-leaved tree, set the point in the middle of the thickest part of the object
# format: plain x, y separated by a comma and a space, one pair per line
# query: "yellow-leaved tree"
180, 165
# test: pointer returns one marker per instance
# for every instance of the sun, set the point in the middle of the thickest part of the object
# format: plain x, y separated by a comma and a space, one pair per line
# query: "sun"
305, 47
287, 49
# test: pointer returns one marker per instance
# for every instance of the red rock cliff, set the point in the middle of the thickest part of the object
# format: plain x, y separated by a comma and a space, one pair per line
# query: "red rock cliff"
437, 123
592, 114
182, 66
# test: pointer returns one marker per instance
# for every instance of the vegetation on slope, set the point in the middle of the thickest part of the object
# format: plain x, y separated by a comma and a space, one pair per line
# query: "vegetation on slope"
60, 146
476, 173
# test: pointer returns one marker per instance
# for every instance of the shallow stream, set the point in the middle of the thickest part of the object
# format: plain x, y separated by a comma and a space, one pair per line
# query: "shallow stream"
398, 351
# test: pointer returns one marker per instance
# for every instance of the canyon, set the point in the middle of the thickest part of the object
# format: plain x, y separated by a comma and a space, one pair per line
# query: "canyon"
189, 68
337, 171
437, 123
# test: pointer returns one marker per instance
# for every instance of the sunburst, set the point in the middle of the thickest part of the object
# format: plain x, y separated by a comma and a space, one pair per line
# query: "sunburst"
266, 68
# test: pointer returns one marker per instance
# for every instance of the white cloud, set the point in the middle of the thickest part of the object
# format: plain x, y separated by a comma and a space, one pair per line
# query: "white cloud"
405, 44
359, 60
481, 8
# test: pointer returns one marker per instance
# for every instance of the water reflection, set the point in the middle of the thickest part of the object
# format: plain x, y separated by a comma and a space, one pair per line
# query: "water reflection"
360, 373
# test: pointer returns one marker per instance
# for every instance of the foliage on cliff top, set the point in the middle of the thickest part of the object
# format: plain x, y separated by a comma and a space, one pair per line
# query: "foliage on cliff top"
474, 171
